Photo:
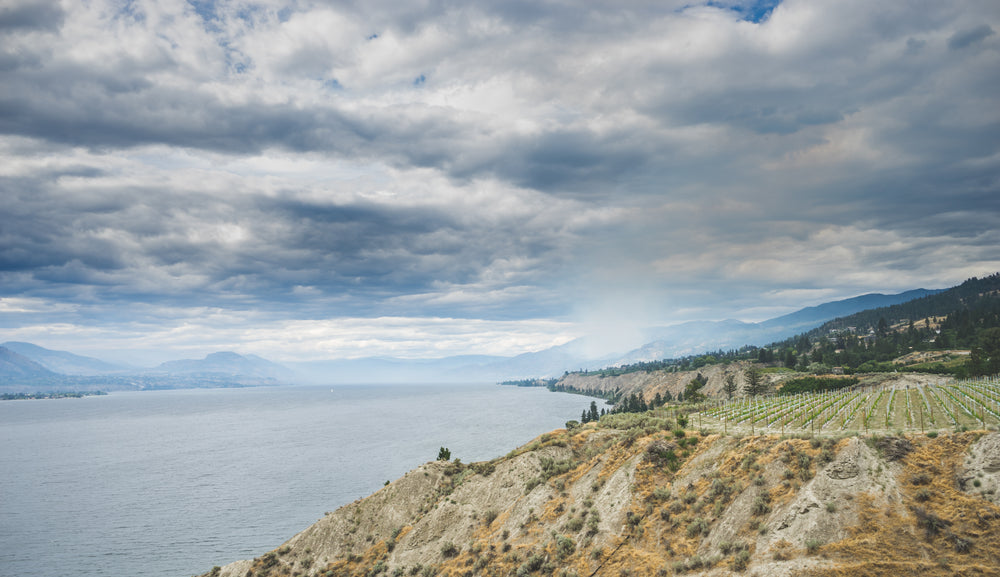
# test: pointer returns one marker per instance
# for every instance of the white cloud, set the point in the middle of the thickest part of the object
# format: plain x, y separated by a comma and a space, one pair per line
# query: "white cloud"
285, 159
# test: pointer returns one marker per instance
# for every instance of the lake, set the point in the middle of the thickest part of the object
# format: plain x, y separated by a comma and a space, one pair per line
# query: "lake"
171, 483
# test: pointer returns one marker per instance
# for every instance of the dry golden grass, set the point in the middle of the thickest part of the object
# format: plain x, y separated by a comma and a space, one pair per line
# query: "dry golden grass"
949, 533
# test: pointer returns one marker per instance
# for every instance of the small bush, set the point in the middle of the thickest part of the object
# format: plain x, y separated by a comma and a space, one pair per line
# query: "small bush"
760, 506
741, 560
574, 525
920, 479
922, 495
661, 493
831, 507
813, 545
448, 549
929, 522
697, 527
961, 545
932, 434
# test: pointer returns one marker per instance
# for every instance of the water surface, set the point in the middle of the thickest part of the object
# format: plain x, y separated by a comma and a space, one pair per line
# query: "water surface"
170, 483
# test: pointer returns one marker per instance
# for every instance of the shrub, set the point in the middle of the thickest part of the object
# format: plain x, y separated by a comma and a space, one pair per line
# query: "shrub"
931, 523
574, 525
831, 507
932, 434
922, 495
661, 493
489, 516
760, 506
448, 549
741, 560
813, 545
961, 545
697, 527
920, 479
564, 547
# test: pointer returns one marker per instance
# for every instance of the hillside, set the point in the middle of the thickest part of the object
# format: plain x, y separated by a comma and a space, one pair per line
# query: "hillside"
63, 362
631, 495
15, 365
951, 332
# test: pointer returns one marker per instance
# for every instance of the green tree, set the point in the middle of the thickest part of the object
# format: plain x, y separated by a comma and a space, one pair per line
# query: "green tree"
790, 358
444, 454
729, 386
692, 390
985, 358
593, 416
754, 381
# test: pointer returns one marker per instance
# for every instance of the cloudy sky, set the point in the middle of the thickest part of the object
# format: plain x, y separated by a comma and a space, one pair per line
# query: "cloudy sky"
306, 179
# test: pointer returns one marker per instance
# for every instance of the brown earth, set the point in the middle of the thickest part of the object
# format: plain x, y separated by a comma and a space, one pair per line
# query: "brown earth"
638, 498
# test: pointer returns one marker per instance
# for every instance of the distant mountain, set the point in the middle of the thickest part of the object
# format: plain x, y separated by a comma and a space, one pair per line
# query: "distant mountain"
227, 363
977, 295
704, 336
62, 361
232, 369
811, 317
15, 365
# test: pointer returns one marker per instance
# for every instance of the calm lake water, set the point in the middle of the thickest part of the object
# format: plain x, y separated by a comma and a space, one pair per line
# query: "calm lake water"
171, 483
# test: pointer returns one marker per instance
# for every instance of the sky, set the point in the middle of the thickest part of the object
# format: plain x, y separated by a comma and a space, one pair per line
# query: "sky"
308, 180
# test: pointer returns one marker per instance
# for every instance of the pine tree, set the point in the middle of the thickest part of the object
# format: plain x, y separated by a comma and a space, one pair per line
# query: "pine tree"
754, 381
730, 385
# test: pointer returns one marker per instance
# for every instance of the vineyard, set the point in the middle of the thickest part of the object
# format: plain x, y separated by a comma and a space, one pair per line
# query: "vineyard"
970, 403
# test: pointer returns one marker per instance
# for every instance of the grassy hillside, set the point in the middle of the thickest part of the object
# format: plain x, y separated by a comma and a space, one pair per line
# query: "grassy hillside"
954, 332
633, 495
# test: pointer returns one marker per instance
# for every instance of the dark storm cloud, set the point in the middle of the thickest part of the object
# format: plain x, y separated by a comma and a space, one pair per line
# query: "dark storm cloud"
965, 38
511, 160
30, 15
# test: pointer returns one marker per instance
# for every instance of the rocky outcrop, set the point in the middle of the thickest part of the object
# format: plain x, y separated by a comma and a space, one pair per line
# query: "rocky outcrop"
644, 499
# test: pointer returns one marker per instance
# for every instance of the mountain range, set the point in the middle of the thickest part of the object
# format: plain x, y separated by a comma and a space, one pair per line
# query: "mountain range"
44, 368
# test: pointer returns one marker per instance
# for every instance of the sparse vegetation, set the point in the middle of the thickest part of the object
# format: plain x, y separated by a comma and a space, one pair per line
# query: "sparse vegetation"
660, 516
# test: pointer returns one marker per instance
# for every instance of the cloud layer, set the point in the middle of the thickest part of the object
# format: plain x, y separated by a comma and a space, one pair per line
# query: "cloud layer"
520, 164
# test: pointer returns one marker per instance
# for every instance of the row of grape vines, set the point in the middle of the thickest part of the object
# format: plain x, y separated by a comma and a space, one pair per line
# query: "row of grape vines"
970, 403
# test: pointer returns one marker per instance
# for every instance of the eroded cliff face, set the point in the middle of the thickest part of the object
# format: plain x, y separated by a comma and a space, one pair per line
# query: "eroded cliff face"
638, 498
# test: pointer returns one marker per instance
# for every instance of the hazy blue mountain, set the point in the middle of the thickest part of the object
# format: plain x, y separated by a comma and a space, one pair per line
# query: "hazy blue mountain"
231, 369
664, 342
811, 317
63, 362
704, 336
16, 365
227, 363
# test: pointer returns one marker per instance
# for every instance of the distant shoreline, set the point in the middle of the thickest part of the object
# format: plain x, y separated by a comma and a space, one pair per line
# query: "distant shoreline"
51, 395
